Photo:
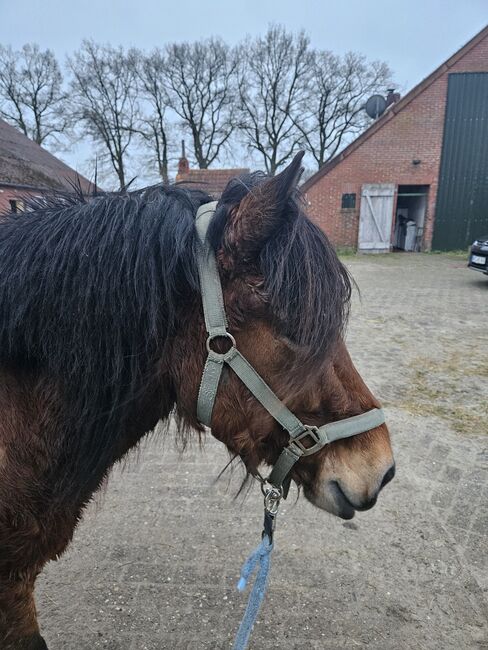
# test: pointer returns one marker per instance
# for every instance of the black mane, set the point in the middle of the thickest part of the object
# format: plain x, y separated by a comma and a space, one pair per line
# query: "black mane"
88, 295
89, 290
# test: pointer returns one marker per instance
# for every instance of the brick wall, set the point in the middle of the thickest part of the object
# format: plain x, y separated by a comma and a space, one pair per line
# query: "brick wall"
9, 193
386, 156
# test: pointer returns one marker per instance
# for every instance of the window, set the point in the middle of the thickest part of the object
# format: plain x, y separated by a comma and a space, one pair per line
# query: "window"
16, 205
348, 202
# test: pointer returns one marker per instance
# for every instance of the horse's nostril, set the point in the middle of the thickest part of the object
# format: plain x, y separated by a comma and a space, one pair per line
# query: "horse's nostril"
388, 476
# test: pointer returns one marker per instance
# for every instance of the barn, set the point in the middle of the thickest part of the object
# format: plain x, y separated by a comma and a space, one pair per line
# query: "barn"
26, 169
417, 178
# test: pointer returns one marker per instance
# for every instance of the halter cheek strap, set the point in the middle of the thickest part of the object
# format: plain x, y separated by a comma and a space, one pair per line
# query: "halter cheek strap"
304, 439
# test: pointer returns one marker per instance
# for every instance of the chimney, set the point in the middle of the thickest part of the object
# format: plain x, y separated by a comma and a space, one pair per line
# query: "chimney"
183, 164
392, 97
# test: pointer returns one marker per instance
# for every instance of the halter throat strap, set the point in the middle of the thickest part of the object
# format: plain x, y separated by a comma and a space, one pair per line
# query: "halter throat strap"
304, 439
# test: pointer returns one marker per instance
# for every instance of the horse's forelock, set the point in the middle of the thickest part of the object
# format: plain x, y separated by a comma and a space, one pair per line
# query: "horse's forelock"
308, 288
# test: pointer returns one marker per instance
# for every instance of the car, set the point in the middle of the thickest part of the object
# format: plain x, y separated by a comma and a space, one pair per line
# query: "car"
478, 255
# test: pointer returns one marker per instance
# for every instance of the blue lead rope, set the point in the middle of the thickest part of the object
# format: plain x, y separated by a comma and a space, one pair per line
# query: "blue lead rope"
261, 556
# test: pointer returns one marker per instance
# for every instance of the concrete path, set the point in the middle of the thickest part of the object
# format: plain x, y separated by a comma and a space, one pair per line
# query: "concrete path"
155, 561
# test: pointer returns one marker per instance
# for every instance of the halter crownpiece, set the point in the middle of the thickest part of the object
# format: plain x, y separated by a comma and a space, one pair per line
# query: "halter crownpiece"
304, 439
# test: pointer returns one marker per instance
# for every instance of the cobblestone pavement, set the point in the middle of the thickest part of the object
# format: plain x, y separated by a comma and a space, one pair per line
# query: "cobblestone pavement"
155, 561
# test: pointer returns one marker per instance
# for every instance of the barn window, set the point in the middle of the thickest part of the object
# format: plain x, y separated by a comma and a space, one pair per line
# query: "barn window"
348, 201
16, 205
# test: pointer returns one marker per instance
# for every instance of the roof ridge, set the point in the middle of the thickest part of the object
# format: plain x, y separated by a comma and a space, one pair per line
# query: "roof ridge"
396, 108
26, 163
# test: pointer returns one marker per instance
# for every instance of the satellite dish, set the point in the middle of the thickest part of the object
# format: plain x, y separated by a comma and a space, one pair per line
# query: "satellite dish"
375, 106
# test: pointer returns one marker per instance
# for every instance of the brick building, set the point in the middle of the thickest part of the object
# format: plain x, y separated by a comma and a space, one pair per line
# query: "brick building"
26, 169
212, 181
417, 178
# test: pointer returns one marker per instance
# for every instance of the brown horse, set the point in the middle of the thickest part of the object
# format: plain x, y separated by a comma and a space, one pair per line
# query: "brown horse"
102, 335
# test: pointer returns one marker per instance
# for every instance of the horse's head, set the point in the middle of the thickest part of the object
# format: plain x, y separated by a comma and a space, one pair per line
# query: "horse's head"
286, 297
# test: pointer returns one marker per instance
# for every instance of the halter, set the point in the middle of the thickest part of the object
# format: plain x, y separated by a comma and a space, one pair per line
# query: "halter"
304, 439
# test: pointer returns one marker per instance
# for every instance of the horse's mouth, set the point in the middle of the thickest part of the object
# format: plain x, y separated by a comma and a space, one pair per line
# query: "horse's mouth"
332, 498
345, 509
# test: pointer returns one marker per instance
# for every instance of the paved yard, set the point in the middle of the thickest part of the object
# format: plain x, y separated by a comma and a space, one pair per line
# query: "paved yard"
154, 564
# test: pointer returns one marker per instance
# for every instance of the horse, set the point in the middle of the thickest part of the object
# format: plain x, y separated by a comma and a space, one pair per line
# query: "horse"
102, 336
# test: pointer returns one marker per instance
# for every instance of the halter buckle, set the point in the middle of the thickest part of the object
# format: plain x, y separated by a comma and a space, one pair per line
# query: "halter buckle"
312, 434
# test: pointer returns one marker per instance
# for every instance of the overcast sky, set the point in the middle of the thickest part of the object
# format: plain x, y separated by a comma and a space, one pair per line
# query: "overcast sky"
412, 36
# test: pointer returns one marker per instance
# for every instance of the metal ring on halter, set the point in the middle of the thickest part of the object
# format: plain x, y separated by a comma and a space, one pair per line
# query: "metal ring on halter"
272, 497
271, 504
267, 488
224, 335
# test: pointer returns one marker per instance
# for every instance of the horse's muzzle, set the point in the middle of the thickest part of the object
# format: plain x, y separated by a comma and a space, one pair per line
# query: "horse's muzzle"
342, 500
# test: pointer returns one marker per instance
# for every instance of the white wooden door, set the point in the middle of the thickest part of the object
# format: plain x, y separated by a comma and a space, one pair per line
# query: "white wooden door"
375, 217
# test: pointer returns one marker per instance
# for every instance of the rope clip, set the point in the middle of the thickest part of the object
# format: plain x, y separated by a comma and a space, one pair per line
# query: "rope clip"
272, 497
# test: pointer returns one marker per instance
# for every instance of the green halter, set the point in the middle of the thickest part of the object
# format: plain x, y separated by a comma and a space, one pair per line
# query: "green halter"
304, 439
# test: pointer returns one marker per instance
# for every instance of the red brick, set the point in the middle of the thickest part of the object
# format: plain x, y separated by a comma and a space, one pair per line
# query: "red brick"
412, 129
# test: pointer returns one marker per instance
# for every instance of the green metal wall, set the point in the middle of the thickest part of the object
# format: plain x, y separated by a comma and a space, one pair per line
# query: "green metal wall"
461, 213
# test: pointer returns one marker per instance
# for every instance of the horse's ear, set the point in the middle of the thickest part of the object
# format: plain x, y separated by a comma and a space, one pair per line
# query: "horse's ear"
261, 213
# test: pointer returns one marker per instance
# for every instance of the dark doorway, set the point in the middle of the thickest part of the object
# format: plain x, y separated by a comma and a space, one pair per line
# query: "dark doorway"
410, 217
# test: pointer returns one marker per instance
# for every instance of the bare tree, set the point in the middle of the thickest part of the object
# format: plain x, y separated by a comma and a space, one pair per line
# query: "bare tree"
200, 81
334, 109
104, 100
31, 93
273, 86
151, 70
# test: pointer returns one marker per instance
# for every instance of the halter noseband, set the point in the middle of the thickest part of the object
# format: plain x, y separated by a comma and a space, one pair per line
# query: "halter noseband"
304, 439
